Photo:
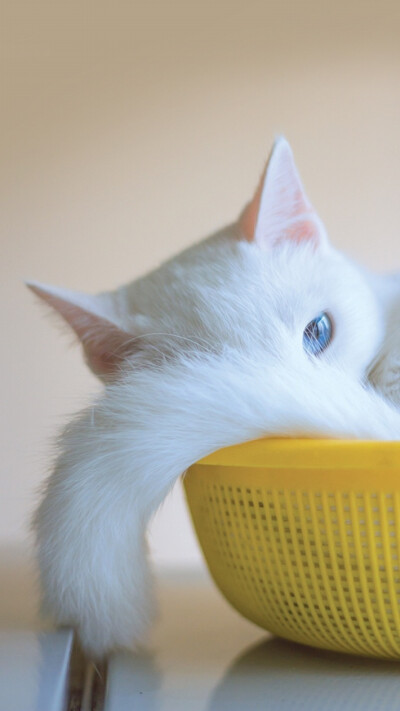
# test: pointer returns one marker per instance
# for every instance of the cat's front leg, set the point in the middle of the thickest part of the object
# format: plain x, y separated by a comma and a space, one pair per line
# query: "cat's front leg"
117, 462
90, 537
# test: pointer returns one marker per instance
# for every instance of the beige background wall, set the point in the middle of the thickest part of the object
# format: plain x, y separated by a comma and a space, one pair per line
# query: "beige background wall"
131, 129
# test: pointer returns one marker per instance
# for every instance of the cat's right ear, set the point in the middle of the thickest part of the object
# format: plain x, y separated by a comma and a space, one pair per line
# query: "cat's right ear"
280, 209
104, 342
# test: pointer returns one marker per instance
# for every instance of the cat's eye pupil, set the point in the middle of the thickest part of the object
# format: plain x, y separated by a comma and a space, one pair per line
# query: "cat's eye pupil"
317, 334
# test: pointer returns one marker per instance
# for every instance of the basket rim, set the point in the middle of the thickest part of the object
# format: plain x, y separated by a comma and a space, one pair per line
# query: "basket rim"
282, 453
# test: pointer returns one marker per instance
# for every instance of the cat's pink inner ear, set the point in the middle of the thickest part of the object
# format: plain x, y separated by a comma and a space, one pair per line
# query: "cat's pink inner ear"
105, 344
280, 209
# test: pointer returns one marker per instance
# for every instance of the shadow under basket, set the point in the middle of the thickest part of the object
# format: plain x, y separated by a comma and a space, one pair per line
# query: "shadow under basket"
302, 537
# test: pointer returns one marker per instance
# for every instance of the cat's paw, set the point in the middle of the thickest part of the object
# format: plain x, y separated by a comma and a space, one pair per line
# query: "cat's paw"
100, 635
104, 623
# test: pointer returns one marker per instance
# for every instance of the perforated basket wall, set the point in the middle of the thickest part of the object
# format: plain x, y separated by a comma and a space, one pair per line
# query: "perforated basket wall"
315, 566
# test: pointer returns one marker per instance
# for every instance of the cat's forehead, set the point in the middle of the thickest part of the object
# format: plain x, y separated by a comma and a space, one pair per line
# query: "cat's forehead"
227, 284
245, 272
230, 280
229, 293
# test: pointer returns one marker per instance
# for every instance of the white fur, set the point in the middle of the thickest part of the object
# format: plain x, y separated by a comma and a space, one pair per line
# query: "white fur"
213, 356
241, 375
385, 368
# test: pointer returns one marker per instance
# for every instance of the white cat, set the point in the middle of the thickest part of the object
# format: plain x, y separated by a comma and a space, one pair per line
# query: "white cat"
262, 329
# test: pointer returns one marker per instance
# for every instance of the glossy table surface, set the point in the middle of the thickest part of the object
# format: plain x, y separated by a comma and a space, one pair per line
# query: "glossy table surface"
201, 657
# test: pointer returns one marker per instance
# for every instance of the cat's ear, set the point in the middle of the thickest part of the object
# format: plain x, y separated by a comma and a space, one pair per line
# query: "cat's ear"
104, 343
280, 209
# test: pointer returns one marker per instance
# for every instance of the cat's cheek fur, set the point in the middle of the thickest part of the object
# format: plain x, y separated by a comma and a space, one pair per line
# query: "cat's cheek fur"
358, 328
119, 458
385, 368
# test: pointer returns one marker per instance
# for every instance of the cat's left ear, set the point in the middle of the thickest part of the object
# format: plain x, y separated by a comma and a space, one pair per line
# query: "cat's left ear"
280, 209
105, 343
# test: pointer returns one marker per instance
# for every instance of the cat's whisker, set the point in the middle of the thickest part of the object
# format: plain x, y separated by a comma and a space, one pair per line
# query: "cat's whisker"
196, 342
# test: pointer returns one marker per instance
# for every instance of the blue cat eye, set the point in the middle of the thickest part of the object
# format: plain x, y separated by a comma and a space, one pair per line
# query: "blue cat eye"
318, 334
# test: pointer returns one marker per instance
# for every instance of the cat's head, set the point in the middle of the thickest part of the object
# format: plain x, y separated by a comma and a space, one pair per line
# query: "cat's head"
271, 282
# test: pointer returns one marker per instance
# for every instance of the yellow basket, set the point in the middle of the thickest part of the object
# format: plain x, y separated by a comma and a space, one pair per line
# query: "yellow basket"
303, 538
